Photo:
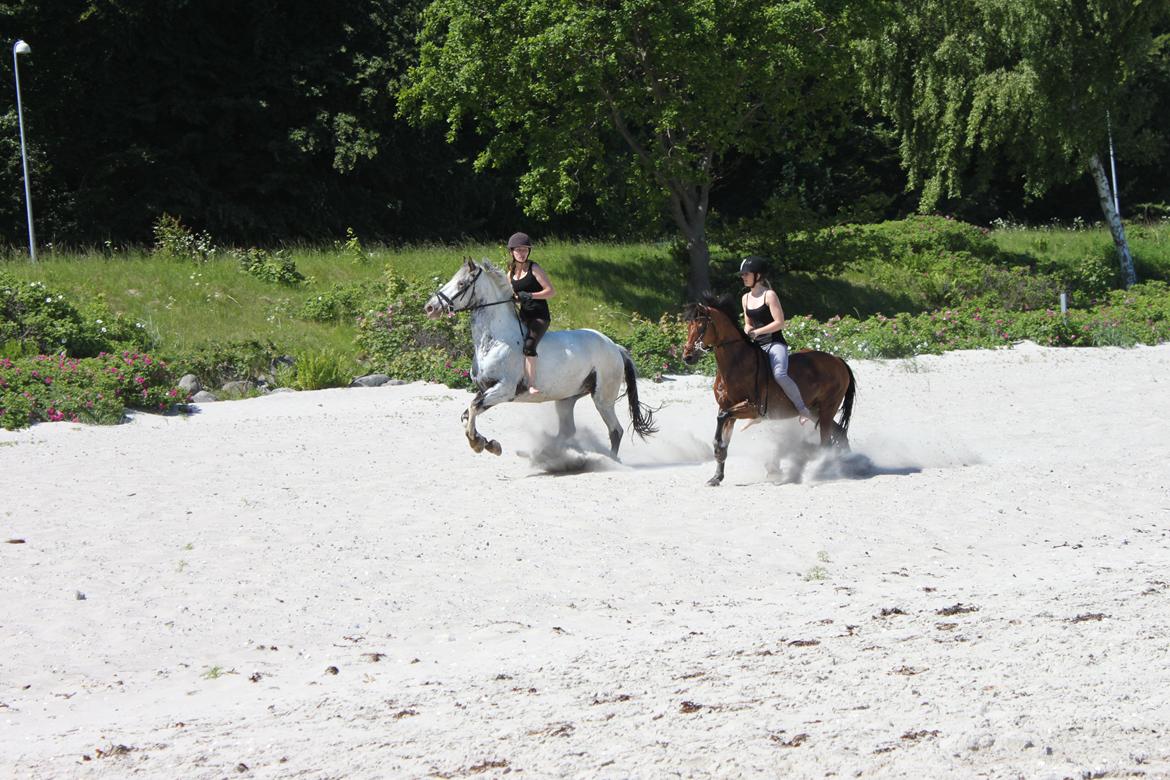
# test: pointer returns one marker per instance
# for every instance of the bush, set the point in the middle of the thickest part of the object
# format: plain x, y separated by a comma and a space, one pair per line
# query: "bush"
94, 390
398, 339
218, 362
352, 248
276, 267
656, 348
340, 302
918, 243
321, 370
175, 240
37, 319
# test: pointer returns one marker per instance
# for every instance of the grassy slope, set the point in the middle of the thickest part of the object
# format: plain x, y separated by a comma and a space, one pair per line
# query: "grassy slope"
184, 304
598, 285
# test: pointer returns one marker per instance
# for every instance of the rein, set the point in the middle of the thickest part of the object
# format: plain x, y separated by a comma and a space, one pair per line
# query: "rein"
449, 303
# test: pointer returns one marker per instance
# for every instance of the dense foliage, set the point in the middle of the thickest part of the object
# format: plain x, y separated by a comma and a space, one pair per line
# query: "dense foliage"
35, 319
400, 340
264, 124
642, 101
254, 121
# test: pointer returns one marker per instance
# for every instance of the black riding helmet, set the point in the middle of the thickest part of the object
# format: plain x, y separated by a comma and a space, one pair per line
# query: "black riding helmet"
518, 240
753, 264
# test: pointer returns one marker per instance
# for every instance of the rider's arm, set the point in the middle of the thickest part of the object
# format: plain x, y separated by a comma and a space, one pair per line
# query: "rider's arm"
747, 321
546, 290
777, 323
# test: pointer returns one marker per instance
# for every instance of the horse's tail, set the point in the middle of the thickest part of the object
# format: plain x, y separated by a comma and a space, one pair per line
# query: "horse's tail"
847, 404
641, 415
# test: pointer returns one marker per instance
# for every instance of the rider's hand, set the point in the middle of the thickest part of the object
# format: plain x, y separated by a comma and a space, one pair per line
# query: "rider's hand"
750, 331
524, 296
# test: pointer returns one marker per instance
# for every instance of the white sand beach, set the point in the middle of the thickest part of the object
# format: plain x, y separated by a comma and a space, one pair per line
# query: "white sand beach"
333, 585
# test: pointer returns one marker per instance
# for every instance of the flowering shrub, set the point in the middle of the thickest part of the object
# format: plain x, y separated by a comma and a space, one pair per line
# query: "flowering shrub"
400, 340
93, 390
656, 348
44, 321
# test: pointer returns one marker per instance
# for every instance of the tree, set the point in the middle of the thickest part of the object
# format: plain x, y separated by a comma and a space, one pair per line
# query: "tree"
639, 99
973, 84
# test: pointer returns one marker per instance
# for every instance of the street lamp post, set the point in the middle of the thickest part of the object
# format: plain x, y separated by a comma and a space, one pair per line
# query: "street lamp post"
18, 48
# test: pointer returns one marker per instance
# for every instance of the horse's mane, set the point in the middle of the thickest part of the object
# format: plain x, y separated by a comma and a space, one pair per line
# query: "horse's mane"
500, 277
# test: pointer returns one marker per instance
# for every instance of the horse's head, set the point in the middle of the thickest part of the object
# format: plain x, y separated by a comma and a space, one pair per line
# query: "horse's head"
711, 323
698, 319
458, 293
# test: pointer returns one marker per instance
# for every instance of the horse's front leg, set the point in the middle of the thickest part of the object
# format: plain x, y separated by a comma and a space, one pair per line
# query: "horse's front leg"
724, 424
484, 400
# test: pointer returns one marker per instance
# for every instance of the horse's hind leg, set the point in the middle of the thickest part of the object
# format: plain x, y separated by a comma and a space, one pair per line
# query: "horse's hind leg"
609, 416
840, 437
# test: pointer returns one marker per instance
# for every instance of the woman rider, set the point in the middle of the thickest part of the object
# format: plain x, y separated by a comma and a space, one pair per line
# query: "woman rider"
763, 322
531, 287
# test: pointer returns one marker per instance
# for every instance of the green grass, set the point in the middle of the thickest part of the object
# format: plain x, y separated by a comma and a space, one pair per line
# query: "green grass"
599, 285
1057, 247
185, 304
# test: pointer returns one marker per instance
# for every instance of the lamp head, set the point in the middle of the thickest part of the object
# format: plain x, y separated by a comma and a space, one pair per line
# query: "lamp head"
20, 47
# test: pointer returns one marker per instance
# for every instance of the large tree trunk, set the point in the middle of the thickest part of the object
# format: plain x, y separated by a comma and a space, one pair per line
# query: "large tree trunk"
1113, 218
699, 280
689, 208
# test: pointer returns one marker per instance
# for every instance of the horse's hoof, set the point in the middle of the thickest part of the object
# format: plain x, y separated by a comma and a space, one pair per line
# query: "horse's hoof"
714, 482
494, 447
475, 444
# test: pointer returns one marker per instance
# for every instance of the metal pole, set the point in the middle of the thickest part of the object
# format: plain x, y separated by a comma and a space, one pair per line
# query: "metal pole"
1112, 164
18, 48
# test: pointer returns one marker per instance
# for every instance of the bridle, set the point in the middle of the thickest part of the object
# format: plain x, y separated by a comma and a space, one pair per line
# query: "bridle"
448, 303
702, 348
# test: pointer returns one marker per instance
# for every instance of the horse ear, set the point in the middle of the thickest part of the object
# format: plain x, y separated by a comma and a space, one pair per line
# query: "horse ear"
469, 263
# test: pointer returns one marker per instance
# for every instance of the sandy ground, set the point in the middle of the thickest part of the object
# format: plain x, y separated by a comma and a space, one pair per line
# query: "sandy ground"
332, 585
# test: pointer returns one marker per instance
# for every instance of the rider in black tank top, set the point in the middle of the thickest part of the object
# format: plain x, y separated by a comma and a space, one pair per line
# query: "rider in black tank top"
534, 313
760, 317
533, 308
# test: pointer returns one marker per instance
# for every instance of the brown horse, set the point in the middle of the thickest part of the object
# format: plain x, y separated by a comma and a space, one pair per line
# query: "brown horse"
745, 388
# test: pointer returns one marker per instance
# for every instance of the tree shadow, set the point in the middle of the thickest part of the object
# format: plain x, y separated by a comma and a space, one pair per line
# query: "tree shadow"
646, 282
822, 298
